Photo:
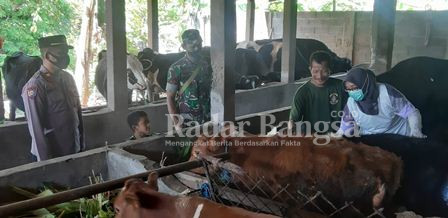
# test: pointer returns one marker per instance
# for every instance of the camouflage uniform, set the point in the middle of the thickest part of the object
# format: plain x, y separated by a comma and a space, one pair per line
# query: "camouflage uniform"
194, 103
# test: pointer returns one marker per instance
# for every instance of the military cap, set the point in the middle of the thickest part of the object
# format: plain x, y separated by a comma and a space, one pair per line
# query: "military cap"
191, 34
49, 41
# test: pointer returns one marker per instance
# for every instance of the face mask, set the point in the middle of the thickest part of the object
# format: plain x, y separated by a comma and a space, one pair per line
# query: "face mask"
193, 46
61, 62
357, 95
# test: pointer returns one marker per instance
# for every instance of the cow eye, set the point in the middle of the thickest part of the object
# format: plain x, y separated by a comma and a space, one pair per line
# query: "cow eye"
117, 210
131, 77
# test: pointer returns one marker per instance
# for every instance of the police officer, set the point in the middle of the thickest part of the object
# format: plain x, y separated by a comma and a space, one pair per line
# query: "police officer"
52, 104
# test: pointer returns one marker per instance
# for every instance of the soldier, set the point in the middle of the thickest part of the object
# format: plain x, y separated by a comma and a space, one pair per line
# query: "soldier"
52, 104
189, 83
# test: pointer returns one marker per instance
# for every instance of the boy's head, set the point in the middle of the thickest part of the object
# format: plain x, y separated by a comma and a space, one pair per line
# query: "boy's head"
139, 123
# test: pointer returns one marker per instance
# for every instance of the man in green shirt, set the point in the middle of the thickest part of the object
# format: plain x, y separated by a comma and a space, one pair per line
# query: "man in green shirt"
320, 100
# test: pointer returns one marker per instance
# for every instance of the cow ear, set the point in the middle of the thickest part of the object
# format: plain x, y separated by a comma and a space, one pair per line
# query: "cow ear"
152, 181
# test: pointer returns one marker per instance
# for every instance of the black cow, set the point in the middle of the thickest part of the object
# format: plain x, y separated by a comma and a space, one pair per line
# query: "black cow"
155, 66
424, 186
271, 50
249, 67
424, 81
17, 70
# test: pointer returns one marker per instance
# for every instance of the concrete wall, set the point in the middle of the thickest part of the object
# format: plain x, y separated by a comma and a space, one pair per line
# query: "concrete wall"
73, 171
420, 34
361, 38
110, 127
335, 29
101, 128
417, 33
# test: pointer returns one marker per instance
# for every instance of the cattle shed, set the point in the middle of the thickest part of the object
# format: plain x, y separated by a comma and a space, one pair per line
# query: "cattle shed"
378, 40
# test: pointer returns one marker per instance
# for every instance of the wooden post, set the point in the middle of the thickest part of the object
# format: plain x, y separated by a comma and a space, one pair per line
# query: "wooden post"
153, 24
383, 28
117, 97
223, 40
289, 41
250, 20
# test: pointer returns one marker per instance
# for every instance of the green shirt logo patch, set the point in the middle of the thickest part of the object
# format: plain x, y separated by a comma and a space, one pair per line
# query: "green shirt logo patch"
334, 98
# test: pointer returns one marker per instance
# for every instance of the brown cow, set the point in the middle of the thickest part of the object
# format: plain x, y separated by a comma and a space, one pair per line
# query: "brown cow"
138, 199
342, 170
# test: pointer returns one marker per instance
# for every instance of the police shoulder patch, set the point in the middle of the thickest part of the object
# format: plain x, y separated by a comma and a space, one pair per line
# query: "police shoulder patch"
31, 91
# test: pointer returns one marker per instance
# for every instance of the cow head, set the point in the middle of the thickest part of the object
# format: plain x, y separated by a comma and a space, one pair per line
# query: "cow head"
136, 78
207, 146
147, 58
137, 198
212, 142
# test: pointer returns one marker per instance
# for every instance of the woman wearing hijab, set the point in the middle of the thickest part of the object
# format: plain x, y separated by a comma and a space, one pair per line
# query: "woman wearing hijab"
377, 108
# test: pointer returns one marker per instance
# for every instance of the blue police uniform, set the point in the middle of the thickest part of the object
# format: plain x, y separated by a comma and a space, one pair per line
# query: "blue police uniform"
54, 114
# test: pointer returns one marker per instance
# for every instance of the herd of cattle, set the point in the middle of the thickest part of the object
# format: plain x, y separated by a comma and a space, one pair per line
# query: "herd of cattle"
408, 172
256, 62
